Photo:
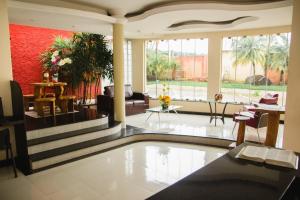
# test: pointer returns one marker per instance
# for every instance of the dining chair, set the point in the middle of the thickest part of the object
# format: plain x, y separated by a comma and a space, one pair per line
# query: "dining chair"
6, 145
257, 119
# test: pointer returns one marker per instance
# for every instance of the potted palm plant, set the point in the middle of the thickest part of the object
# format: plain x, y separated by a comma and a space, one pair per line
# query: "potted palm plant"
92, 61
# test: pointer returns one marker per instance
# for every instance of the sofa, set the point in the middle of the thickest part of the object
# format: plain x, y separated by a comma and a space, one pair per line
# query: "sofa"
135, 102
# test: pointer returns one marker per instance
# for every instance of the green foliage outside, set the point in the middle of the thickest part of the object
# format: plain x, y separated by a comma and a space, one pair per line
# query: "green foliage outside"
267, 52
270, 53
159, 67
224, 85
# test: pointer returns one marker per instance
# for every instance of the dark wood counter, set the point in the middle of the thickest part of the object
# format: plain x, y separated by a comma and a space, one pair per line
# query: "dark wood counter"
231, 178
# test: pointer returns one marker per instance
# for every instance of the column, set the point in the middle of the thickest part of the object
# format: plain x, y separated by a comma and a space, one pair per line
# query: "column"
214, 65
5, 59
138, 65
118, 60
291, 136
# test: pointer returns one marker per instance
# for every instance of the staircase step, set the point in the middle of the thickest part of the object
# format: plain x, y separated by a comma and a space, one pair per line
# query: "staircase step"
64, 142
45, 132
51, 138
73, 147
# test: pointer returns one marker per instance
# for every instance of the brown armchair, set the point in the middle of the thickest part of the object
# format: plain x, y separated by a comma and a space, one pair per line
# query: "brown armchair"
135, 102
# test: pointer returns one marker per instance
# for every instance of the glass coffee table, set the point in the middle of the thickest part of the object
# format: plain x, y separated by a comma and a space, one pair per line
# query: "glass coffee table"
158, 110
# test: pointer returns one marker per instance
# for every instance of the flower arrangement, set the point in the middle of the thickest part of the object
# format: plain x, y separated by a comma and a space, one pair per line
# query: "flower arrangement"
218, 97
165, 99
55, 58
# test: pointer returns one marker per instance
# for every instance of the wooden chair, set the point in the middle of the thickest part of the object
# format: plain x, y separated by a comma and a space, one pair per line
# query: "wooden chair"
66, 103
5, 144
28, 100
40, 103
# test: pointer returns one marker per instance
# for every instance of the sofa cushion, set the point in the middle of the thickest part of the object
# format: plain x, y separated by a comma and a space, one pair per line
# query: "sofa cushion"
110, 91
138, 102
269, 99
128, 91
129, 103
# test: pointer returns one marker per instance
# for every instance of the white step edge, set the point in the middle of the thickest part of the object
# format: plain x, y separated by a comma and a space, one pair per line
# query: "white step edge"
38, 133
130, 139
73, 140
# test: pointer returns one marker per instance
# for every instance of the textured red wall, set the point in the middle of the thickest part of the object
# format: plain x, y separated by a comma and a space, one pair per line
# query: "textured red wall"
27, 43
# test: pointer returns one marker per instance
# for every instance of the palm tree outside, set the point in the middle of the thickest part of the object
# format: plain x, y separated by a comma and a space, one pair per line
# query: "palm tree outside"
250, 50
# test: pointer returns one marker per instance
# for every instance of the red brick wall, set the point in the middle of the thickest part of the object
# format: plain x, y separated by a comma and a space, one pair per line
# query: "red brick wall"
27, 43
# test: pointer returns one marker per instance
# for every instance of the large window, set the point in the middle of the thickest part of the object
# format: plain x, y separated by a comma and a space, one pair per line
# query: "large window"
180, 66
253, 66
127, 62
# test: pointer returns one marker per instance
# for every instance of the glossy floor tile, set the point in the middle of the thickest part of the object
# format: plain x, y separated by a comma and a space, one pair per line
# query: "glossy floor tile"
196, 125
135, 171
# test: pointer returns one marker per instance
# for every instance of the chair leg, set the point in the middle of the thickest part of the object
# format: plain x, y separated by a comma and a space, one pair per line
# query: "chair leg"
71, 105
39, 108
13, 161
258, 135
7, 158
233, 130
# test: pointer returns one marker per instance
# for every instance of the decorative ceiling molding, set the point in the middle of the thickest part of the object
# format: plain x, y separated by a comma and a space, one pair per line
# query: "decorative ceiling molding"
235, 5
193, 24
61, 10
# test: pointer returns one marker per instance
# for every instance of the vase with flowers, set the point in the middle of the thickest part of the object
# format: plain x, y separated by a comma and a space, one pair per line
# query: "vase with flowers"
58, 61
56, 58
165, 99
218, 97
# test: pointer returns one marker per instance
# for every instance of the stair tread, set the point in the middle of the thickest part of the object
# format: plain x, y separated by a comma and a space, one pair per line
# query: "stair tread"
74, 147
69, 134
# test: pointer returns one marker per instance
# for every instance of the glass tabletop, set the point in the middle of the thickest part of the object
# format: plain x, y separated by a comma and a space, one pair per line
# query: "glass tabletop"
160, 109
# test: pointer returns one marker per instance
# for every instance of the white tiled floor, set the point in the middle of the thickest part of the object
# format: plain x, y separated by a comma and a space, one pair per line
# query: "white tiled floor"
131, 172
196, 125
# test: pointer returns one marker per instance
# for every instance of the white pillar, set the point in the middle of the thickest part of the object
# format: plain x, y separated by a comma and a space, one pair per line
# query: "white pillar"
214, 65
291, 136
138, 65
118, 60
5, 59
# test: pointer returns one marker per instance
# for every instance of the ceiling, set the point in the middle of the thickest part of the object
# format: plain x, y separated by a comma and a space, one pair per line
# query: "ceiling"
151, 18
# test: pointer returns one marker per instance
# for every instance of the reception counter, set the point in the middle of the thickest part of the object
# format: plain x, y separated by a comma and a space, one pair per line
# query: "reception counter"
231, 178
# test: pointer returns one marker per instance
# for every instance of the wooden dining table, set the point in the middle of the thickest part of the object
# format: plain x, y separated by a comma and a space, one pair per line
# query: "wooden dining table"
274, 112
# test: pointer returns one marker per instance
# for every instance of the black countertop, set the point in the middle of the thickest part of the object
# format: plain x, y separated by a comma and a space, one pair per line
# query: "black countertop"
231, 178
